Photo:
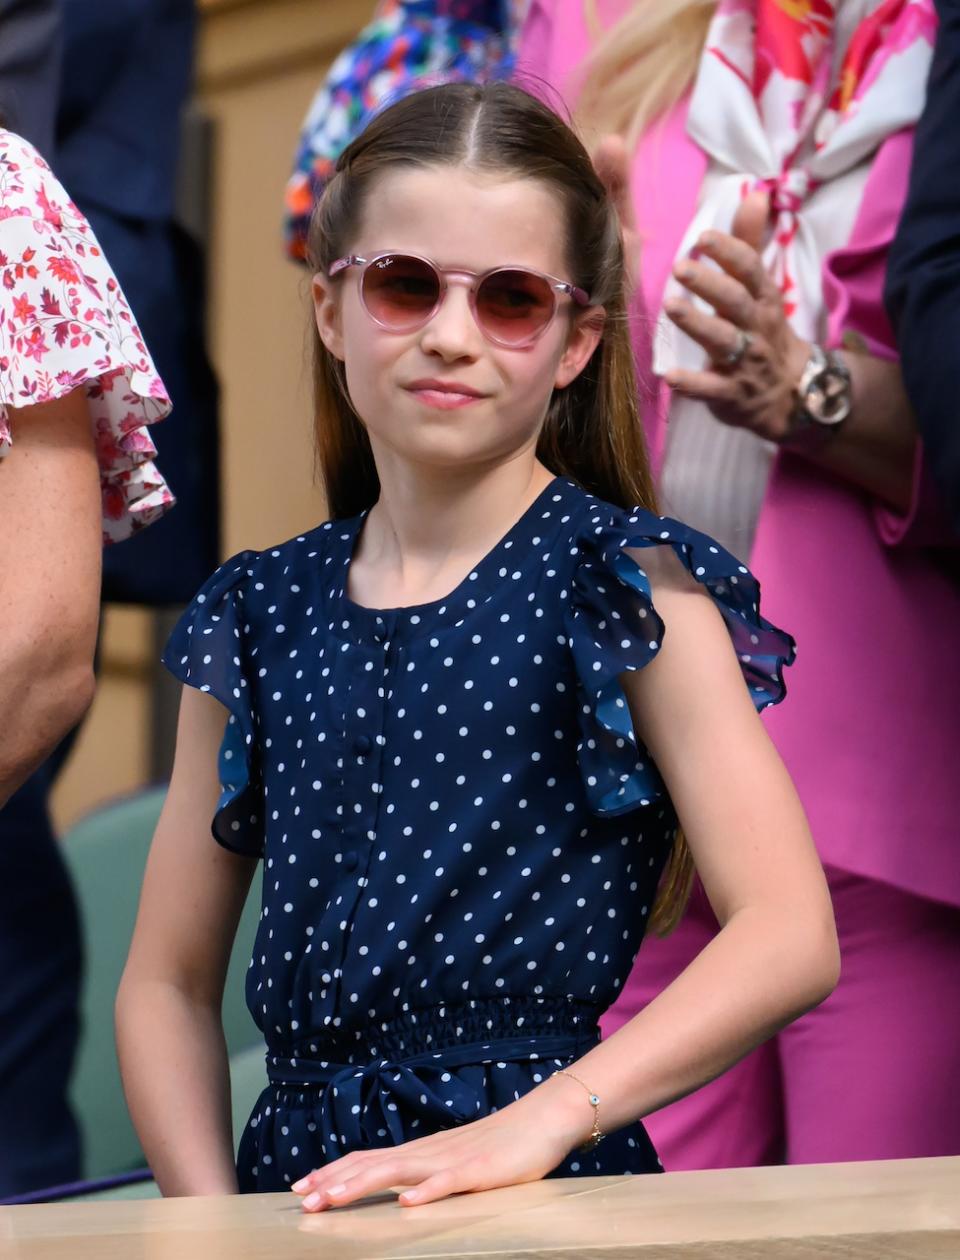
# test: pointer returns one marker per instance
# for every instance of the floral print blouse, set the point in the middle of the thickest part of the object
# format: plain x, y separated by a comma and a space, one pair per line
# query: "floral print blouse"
65, 323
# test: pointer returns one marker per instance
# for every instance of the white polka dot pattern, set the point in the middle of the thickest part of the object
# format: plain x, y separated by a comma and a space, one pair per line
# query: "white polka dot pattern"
461, 838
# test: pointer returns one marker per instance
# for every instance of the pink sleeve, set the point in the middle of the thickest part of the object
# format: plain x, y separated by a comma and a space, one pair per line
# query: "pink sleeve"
853, 280
539, 57
533, 55
554, 43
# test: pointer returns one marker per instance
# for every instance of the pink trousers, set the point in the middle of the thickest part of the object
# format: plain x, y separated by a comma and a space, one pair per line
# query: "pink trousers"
872, 1073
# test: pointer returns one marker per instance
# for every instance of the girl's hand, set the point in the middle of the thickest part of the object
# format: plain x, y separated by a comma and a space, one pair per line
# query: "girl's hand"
521, 1142
612, 164
757, 358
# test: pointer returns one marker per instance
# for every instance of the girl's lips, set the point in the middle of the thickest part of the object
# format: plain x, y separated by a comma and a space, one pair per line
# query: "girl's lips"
444, 399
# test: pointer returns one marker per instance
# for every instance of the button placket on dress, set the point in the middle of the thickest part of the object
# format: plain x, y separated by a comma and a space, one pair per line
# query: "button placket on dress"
366, 669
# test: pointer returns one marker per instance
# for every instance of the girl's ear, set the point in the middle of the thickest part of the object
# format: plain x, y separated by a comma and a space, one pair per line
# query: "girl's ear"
584, 338
326, 308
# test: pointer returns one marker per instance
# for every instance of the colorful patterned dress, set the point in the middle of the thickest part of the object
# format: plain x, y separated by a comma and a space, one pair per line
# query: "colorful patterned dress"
408, 43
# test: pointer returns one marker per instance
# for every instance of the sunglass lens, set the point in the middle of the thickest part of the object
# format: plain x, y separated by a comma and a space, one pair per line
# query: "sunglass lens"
514, 306
400, 291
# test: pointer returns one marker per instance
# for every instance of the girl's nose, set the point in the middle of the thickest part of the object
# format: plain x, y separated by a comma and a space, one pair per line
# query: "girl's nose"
452, 333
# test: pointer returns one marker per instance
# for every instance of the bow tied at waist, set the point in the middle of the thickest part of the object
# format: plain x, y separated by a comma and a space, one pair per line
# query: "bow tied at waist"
377, 1103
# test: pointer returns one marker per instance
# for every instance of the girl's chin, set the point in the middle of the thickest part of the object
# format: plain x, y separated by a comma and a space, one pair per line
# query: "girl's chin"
442, 448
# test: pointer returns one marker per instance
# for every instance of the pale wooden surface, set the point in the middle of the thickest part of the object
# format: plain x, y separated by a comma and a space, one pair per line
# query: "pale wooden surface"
899, 1210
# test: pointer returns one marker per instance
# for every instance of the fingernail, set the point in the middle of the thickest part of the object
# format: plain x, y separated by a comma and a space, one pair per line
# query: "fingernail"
298, 1187
409, 1196
332, 1190
706, 240
313, 1200
673, 306
683, 271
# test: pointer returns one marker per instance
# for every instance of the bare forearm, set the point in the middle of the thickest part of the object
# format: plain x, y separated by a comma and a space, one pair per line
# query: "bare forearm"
173, 1061
875, 447
753, 978
37, 713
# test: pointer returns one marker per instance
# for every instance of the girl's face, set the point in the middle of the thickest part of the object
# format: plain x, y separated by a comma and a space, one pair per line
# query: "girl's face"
400, 383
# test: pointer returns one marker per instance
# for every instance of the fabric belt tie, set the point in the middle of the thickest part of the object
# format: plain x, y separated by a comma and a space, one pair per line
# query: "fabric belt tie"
370, 1096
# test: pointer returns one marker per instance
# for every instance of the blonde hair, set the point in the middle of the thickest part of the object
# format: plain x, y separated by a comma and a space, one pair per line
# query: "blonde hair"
641, 66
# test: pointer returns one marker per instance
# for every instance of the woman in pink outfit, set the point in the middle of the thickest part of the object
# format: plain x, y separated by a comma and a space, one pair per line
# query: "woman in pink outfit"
766, 148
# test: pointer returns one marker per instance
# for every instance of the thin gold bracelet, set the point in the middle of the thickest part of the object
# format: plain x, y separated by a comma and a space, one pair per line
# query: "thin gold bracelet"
597, 1134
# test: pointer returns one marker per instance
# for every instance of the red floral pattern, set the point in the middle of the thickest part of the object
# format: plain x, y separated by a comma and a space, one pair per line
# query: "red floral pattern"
64, 323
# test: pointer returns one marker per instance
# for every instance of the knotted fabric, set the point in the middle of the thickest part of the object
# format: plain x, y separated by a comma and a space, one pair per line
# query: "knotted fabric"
384, 1091
790, 95
793, 98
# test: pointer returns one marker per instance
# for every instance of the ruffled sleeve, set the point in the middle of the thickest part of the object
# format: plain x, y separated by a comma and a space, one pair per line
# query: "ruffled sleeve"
613, 626
208, 650
64, 323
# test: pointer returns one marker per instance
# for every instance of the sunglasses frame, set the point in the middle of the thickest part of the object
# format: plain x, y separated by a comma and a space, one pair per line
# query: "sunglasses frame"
474, 279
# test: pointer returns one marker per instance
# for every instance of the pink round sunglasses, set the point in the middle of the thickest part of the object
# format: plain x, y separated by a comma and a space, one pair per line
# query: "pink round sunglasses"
513, 306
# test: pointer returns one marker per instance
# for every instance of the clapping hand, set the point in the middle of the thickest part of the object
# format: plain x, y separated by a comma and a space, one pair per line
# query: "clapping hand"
756, 358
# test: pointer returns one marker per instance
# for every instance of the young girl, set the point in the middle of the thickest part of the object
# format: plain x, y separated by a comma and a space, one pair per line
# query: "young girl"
460, 722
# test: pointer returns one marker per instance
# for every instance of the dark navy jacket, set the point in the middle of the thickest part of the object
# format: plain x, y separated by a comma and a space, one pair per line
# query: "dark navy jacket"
126, 77
923, 275
30, 50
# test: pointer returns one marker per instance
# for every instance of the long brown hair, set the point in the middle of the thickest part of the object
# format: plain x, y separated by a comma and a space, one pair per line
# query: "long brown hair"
592, 432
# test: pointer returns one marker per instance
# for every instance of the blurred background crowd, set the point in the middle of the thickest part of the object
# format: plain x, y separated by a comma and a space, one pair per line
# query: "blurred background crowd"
195, 138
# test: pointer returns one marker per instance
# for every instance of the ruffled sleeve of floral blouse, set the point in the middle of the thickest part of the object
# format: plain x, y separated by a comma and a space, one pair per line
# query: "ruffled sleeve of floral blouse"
613, 626
64, 322
208, 650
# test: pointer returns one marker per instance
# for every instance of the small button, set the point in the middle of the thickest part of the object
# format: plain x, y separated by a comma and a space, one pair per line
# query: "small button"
350, 860
362, 745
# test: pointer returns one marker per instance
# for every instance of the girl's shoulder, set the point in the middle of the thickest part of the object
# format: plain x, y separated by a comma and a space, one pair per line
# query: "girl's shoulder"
600, 527
627, 565
626, 559
252, 599
252, 574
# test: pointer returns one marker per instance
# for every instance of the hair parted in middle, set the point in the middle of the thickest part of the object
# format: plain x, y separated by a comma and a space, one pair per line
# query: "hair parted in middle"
592, 432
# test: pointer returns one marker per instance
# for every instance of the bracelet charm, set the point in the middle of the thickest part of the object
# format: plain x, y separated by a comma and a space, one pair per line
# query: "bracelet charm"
597, 1133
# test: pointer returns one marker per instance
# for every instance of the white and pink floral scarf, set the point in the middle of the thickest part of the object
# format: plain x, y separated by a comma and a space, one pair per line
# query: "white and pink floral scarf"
773, 109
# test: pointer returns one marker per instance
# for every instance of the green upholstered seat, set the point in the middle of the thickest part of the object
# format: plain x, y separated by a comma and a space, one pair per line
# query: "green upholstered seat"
106, 853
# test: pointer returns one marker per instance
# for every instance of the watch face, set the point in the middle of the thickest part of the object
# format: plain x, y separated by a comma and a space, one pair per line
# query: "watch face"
827, 395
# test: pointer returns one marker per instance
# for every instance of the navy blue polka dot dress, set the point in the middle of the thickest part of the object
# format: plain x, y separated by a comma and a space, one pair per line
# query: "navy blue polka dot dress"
461, 837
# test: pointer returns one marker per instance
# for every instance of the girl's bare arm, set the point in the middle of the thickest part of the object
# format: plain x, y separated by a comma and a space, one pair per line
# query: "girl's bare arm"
170, 1041
50, 524
776, 954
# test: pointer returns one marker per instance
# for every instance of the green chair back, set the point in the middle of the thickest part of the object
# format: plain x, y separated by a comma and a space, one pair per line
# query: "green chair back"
106, 853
